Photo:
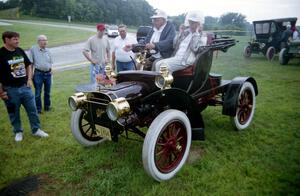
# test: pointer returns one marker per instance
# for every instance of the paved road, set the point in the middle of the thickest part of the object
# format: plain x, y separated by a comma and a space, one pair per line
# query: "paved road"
67, 56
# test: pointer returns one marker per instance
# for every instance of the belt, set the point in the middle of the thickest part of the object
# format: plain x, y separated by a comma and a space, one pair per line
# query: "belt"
42, 70
123, 62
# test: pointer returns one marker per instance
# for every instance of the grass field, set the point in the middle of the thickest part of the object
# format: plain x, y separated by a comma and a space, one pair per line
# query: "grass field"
262, 160
56, 36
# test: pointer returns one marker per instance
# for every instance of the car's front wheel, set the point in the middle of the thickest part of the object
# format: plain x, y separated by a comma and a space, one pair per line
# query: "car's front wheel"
247, 51
167, 144
245, 107
283, 56
83, 130
270, 53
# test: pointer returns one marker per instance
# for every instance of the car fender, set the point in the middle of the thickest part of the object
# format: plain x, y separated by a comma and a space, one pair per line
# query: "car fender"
232, 93
179, 99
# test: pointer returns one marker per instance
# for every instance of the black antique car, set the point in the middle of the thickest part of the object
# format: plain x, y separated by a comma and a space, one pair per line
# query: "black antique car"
163, 109
269, 37
292, 50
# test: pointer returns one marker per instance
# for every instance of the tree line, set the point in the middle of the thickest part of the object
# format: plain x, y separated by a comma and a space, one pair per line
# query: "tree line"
130, 12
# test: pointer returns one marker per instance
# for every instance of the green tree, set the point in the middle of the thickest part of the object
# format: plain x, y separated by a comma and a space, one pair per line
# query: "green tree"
233, 19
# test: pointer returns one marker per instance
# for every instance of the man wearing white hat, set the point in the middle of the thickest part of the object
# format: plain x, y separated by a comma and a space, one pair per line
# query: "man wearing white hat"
186, 45
161, 37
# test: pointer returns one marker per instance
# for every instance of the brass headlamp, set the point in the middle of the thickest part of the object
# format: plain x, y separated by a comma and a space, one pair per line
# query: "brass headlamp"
76, 100
117, 108
165, 79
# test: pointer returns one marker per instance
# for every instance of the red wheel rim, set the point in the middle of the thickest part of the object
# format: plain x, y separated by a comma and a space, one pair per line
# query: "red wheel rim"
245, 106
271, 53
170, 146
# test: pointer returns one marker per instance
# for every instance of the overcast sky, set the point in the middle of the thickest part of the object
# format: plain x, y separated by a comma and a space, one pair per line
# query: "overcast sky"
253, 9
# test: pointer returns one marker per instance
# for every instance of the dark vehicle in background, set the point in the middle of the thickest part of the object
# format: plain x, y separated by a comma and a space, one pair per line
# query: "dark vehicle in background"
142, 32
268, 37
292, 50
163, 108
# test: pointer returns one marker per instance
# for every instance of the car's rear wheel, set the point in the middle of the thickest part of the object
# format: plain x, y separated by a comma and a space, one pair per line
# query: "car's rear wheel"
270, 54
247, 51
245, 107
83, 130
283, 56
167, 144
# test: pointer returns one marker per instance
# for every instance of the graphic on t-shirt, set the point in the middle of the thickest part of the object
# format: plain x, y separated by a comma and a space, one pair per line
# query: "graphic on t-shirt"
17, 67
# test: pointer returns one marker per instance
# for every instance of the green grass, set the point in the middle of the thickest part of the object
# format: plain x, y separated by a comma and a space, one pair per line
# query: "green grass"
56, 36
262, 160
12, 13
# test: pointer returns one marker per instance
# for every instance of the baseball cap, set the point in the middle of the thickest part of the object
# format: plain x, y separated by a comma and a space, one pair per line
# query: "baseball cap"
159, 14
100, 27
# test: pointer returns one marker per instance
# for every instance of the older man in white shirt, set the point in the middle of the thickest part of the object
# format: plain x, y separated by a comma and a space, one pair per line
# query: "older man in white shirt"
121, 57
186, 45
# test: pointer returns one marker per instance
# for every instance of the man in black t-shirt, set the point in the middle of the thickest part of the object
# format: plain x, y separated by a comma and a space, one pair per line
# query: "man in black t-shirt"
16, 82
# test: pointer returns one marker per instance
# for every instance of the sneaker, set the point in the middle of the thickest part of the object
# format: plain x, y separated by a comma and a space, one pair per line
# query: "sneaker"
19, 137
40, 133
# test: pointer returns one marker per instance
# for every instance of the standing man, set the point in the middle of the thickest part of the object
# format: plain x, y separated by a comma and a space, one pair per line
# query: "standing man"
16, 80
42, 61
97, 51
161, 37
123, 59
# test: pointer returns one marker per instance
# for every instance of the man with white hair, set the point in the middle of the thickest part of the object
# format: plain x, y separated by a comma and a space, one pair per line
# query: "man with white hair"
161, 37
186, 44
41, 59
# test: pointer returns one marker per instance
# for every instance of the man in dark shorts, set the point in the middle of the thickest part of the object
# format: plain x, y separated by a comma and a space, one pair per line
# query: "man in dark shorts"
15, 88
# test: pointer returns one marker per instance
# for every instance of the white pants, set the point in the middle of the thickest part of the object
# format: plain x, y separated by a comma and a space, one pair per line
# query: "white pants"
174, 64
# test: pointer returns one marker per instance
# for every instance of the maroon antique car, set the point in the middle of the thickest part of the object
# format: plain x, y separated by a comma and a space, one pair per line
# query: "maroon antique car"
163, 109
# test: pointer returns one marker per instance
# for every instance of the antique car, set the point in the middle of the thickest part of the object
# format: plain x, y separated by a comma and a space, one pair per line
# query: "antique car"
292, 50
269, 37
163, 108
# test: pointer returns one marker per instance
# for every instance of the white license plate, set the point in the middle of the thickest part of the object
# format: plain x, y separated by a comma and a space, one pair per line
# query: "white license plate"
103, 132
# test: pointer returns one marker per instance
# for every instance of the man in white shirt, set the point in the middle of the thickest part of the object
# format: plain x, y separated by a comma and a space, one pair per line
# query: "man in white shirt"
121, 57
186, 45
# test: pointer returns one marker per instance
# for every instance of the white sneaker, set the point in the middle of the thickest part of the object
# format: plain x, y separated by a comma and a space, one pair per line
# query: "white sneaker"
19, 137
40, 133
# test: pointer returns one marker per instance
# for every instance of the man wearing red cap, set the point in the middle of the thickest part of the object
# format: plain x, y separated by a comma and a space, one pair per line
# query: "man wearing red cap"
97, 51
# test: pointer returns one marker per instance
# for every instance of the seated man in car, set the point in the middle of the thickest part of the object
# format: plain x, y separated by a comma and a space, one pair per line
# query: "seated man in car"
186, 45
161, 37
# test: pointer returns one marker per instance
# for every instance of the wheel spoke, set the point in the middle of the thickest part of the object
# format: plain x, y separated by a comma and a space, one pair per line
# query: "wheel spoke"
85, 124
161, 144
88, 129
178, 139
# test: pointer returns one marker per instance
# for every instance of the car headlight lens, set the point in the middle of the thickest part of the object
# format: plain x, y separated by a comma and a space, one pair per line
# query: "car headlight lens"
165, 79
117, 108
159, 81
76, 101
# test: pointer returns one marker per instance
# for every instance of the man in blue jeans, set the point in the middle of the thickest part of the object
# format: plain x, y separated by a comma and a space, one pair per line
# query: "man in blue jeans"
15, 88
41, 59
